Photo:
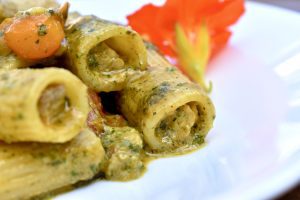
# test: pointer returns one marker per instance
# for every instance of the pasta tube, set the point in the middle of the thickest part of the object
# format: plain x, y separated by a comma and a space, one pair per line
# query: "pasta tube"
41, 105
11, 61
155, 58
173, 113
31, 169
102, 53
8, 8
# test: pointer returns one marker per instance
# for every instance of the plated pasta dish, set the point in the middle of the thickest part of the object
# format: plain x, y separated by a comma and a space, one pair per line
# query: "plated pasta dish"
83, 98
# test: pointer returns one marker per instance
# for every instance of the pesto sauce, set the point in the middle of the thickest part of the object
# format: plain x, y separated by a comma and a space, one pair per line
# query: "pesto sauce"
92, 61
158, 93
124, 150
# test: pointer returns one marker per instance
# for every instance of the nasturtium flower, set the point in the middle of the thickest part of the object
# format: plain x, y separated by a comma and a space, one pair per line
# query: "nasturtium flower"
188, 31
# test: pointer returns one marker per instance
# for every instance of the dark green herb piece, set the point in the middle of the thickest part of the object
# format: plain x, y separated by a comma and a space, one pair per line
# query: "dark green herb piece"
51, 11
170, 69
94, 168
42, 30
74, 173
150, 46
92, 61
67, 103
158, 93
19, 116
134, 148
163, 125
57, 162
128, 32
198, 139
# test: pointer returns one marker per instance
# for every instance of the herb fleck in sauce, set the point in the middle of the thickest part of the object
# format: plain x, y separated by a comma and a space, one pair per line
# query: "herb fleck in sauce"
42, 30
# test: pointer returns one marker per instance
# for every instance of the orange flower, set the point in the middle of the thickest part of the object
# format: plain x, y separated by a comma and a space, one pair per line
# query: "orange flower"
180, 25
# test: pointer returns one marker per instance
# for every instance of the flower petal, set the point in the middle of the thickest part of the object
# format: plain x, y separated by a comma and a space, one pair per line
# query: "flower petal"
142, 20
229, 13
158, 22
219, 40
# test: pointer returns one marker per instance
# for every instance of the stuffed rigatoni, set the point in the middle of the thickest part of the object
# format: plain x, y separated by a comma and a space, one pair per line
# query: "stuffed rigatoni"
31, 169
41, 105
173, 113
102, 53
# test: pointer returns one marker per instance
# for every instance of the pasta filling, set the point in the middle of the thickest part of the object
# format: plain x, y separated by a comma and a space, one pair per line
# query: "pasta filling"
180, 127
104, 59
54, 105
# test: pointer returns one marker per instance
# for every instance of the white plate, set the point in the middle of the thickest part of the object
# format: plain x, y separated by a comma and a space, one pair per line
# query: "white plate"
254, 150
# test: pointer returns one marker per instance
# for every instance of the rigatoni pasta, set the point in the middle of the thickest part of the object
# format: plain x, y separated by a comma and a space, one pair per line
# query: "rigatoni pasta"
172, 113
10, 7
31, 169
11, 61
42, 105
102, 53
